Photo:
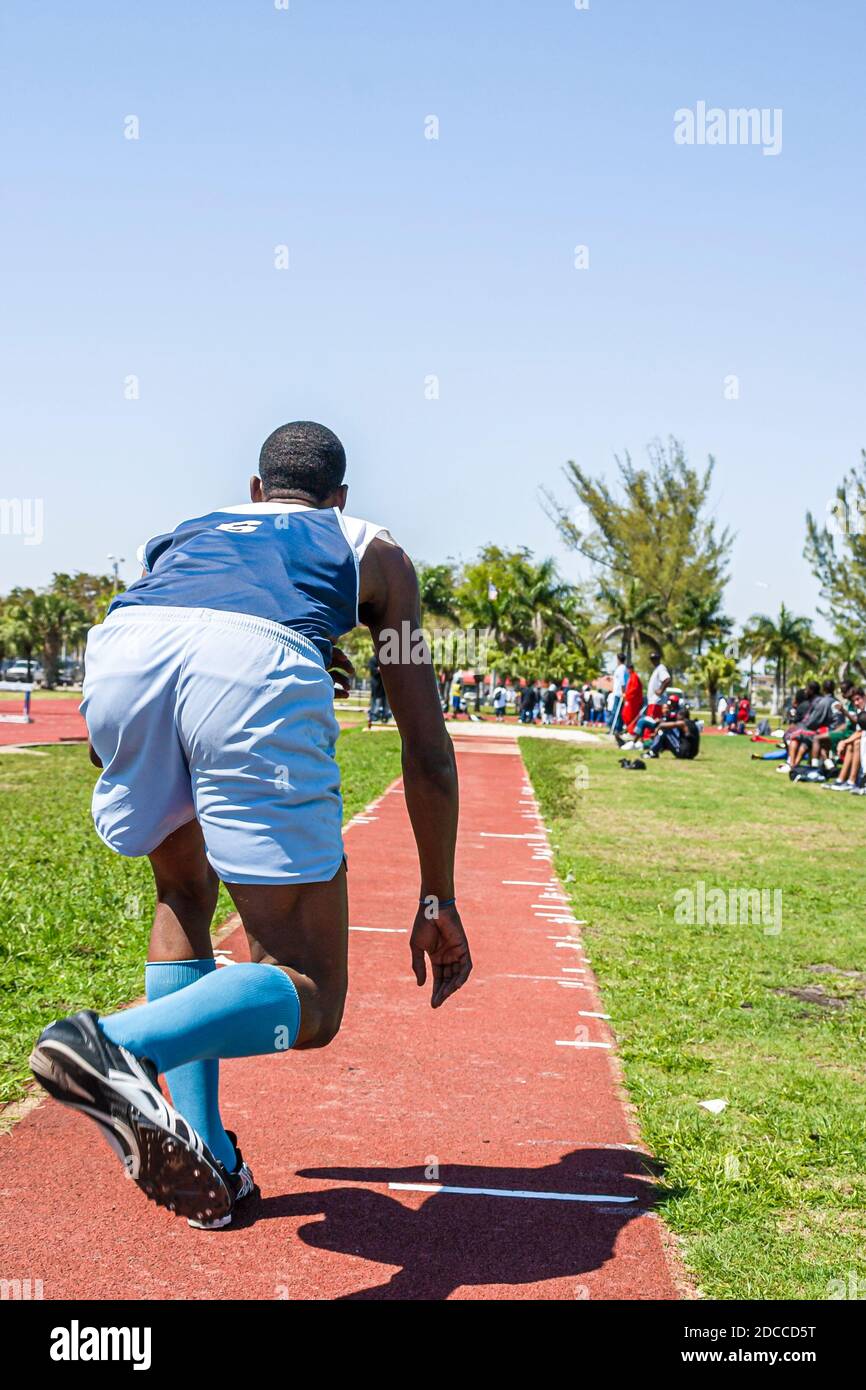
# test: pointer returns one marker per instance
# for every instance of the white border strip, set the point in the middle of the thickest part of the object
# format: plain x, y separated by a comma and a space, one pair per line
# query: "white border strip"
508, 1192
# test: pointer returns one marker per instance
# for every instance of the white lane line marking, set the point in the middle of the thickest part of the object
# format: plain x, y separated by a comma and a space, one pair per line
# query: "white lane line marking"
567, 946
506, 1192
555, 978
509, 835
572, 970
587, 1013
585, 1143
395, 931
572, 1042
525, 882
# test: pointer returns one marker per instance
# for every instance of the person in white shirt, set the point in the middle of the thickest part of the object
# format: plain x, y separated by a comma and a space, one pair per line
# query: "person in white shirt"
620, 681
657, 688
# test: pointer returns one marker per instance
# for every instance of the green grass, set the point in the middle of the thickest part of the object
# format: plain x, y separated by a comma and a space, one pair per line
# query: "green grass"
61, 692
769, 1197
75, 918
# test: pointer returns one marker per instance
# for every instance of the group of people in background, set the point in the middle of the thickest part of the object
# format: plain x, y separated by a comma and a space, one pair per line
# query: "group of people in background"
824, 739
661, 724
733, 713
570, 703
556, 703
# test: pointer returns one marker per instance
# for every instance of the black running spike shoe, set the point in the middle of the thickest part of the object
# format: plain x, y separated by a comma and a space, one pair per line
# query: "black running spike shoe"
241, 1184
77, 1064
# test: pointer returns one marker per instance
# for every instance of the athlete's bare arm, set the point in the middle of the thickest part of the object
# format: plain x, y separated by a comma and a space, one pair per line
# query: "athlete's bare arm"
388, 600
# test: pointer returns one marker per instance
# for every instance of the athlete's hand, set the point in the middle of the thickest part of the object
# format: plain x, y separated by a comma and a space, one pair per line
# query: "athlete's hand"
443, 939
341, 672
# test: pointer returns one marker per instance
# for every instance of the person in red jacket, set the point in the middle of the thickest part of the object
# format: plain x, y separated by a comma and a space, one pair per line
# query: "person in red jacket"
633, 701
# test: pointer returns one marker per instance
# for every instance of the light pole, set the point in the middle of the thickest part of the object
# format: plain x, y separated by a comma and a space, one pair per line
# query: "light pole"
116, 562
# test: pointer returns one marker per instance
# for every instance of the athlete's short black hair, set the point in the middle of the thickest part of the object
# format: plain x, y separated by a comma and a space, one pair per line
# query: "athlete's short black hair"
302, 457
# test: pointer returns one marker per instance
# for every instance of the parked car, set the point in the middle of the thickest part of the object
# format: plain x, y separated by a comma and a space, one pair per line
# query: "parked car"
20, 671
70, 673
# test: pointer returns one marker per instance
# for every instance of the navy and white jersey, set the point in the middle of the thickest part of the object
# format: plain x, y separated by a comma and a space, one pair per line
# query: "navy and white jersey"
282, 561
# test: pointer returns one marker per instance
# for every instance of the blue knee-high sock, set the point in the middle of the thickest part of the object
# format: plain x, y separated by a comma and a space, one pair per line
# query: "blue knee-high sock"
194, 1087
239, 1011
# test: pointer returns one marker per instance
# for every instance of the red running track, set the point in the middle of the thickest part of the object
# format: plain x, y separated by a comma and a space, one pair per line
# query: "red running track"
478, 1093
53, 721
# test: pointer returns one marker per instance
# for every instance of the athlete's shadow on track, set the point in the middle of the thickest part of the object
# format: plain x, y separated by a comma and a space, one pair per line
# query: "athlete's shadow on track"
454, 1241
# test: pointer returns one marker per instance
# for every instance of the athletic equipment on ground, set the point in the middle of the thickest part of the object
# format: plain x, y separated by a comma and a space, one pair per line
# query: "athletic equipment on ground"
25, 717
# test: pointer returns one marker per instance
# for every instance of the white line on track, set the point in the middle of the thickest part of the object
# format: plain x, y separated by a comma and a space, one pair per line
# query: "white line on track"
525, 883
507, 1192
587, 1013
510, 835
555, 978
573, 1042
392, 931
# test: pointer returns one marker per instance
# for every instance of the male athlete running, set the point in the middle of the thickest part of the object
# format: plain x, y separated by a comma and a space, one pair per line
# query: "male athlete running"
208, 703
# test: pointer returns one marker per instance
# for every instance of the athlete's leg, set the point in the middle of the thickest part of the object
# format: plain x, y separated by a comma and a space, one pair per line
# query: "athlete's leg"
186, 895
181, 953
292, 995
303, 928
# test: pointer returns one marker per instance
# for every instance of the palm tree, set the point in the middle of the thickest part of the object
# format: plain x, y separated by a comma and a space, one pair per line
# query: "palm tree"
17, 631
782, 641
631, 615
437, 589
850, 652
714, 670
545, 604
701, 620
45, 622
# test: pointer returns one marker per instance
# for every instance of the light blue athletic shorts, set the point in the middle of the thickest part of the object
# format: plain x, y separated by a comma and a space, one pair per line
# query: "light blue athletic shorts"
221, 717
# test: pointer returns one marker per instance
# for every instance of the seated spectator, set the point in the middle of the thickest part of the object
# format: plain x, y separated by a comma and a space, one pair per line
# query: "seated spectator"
676, 732
851, 752
798, 714
824, 714
825, 746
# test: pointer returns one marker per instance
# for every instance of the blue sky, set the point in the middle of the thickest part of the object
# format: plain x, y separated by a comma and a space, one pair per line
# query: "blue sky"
411, 258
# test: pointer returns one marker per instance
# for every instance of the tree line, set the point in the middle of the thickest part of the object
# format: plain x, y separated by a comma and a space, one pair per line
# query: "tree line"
659, 565
44, 626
